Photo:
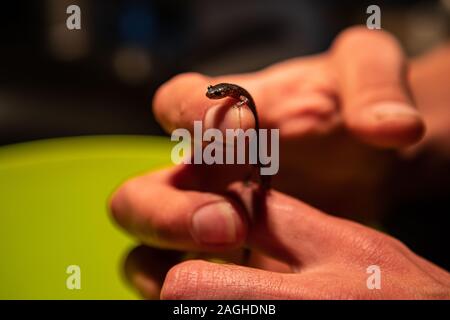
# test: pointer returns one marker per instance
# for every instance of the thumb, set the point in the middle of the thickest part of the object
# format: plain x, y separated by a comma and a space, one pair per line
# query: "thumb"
377, 106
196, 279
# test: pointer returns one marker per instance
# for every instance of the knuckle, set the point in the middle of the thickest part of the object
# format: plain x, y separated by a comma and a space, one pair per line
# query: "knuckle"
350, 37
361, 37
371, 247
357, 34
353, 32
166, 108
372, 243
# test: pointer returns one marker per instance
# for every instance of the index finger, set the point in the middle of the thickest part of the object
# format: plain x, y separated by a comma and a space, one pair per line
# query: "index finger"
181, 101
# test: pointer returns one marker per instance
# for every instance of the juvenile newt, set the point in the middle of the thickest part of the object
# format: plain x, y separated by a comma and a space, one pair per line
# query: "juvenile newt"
223, 90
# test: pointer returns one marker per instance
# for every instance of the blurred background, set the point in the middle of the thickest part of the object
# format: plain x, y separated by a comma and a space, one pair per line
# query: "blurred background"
100, 79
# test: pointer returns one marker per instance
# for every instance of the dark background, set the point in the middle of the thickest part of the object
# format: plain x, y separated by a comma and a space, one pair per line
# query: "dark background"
100, 80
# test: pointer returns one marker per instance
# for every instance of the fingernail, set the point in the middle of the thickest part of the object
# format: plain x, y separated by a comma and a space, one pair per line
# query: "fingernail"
225, 117
215, 224
393, 110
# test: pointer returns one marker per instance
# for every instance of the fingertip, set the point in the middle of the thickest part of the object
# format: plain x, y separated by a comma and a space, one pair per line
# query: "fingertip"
118, 205
387, 124
176, 102
224, 116
182, 281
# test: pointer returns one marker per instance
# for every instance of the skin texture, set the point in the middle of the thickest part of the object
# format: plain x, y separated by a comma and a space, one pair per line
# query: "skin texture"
344, 116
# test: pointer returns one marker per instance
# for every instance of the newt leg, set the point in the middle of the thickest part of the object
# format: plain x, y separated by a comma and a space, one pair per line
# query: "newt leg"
242, 100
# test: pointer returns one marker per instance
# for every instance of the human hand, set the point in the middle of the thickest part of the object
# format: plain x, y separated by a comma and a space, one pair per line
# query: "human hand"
298, 252
331, 109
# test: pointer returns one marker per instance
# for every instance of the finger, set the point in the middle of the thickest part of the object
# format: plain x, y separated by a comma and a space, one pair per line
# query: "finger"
158, 213
377, 106
181, 101
145, 269
198, 279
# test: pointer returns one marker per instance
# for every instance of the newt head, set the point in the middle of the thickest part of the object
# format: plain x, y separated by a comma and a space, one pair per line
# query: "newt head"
217, 91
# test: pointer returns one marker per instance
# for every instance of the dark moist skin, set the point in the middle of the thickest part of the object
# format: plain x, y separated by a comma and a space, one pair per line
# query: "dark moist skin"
223, 90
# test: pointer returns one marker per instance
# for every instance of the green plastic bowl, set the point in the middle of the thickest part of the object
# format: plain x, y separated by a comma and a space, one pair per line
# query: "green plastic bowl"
53, 213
